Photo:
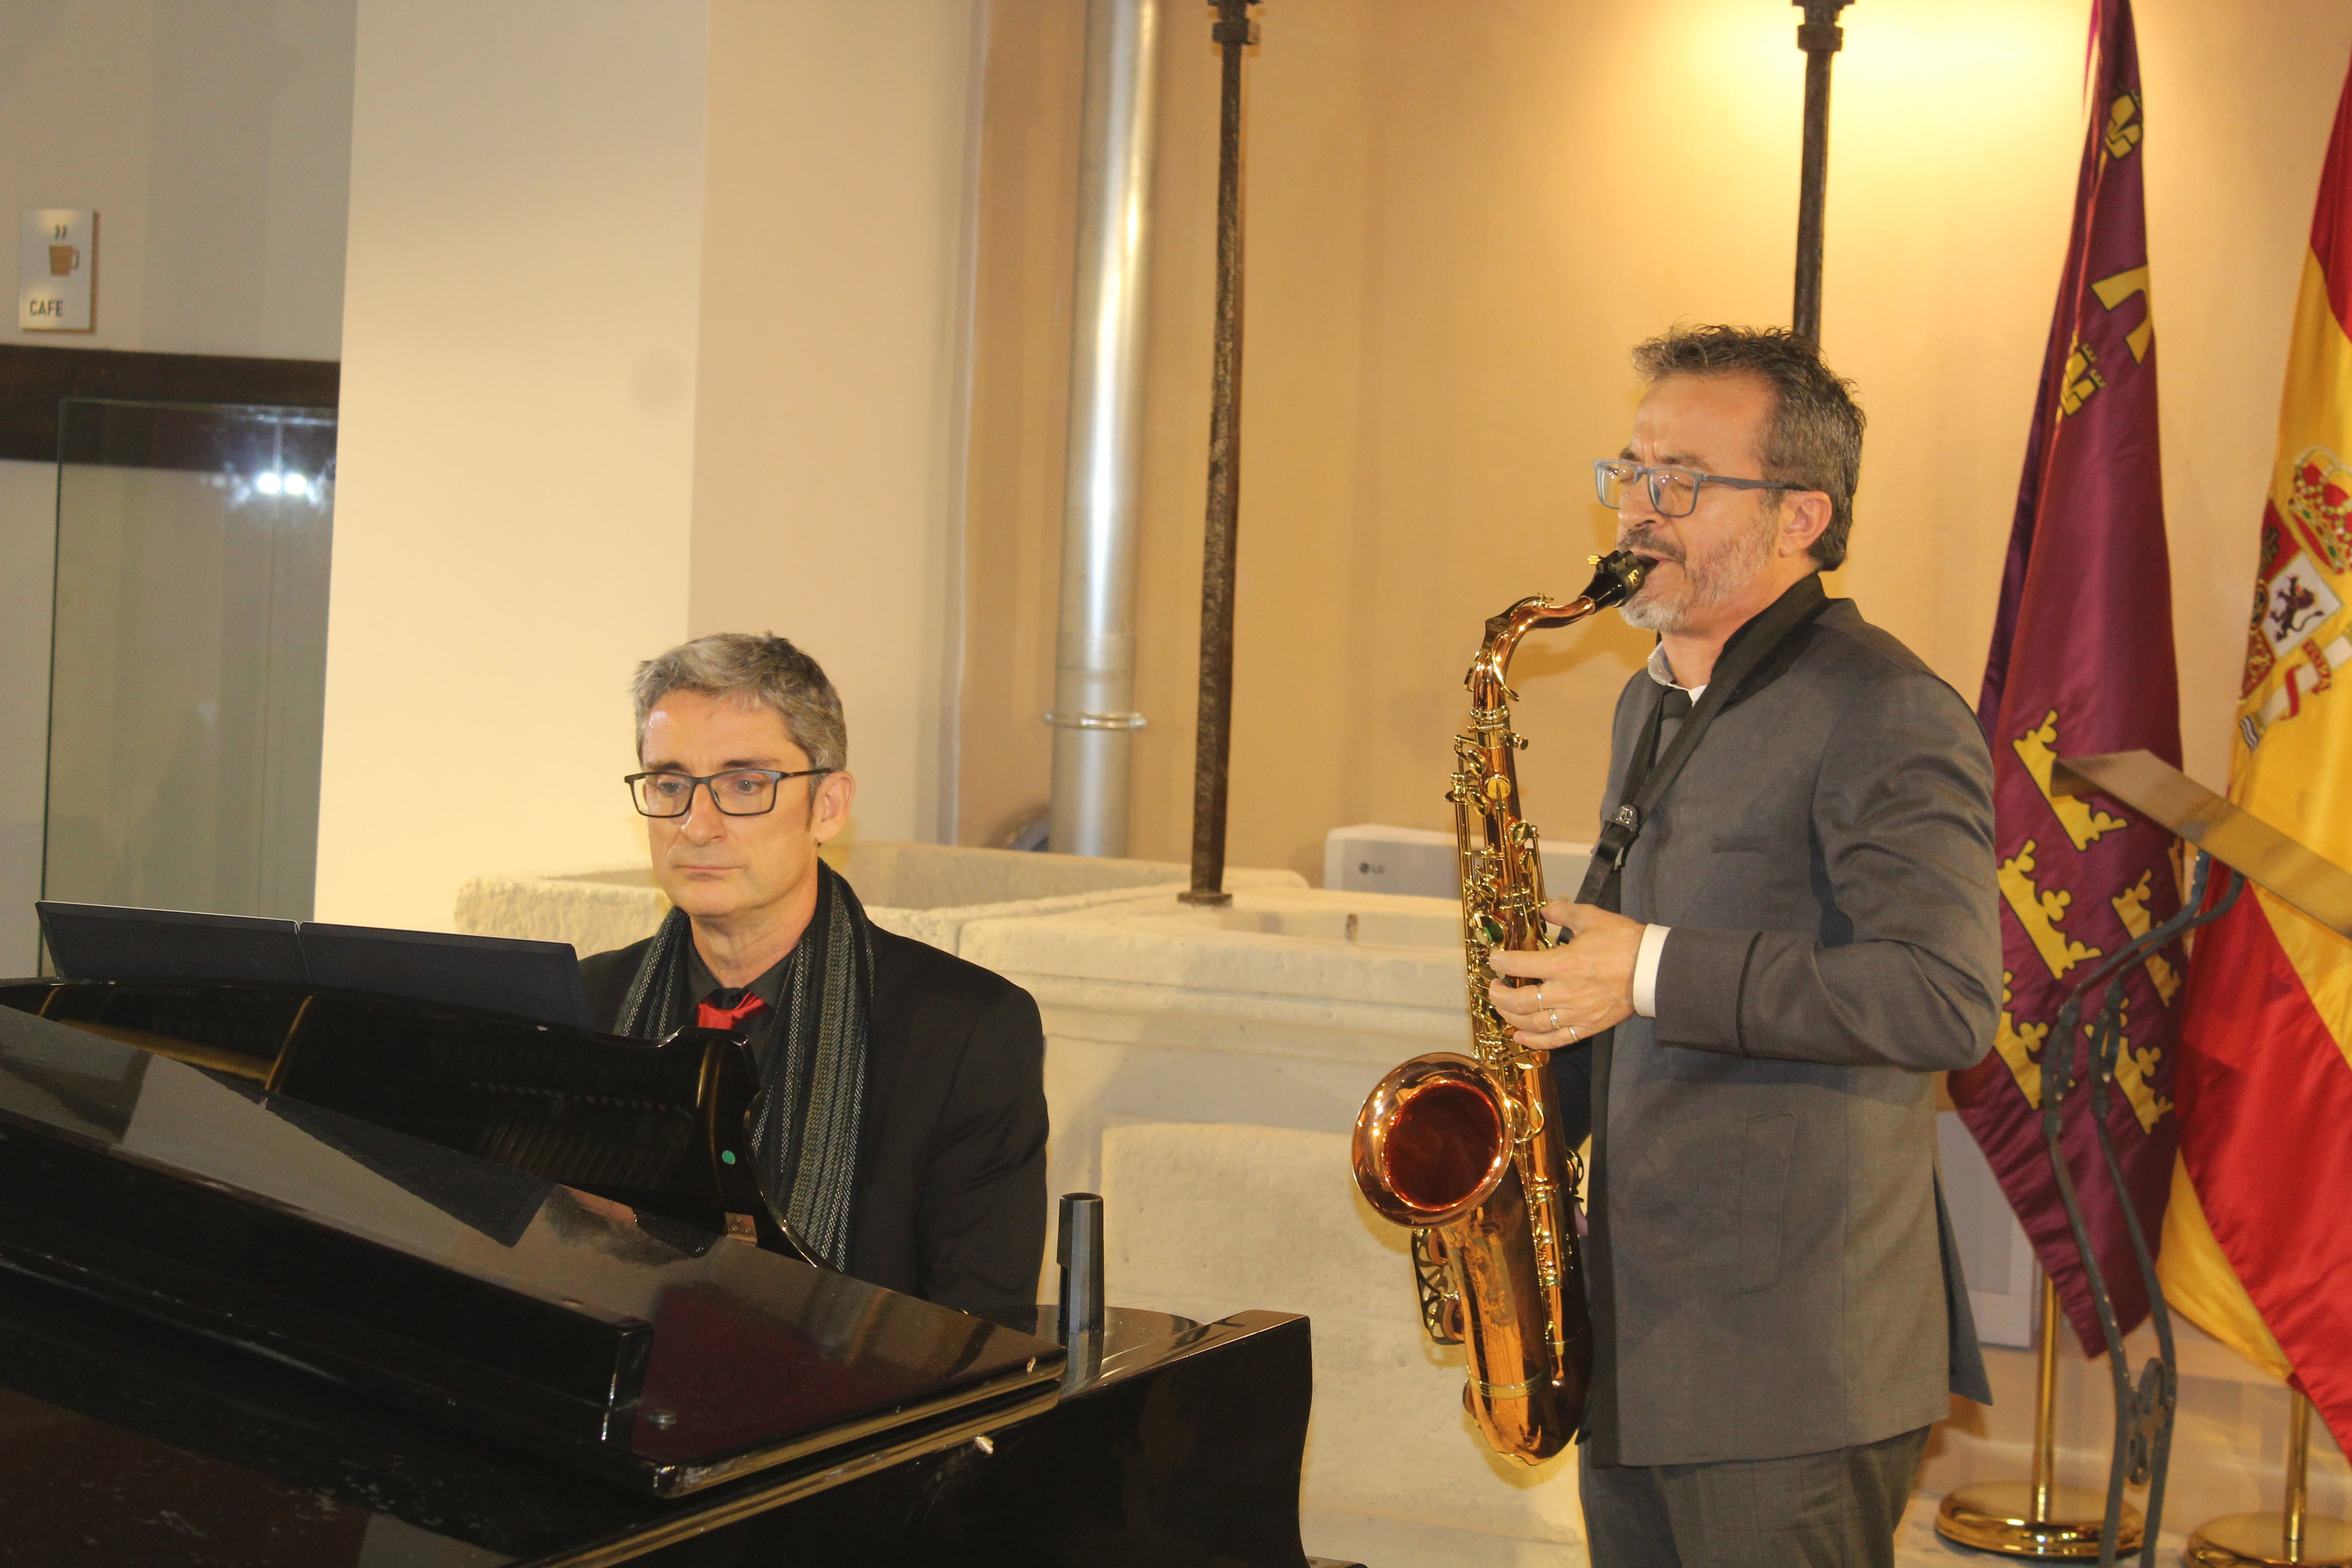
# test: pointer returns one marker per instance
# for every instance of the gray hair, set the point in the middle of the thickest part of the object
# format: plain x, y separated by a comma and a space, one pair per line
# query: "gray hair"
1813, 439
764, 671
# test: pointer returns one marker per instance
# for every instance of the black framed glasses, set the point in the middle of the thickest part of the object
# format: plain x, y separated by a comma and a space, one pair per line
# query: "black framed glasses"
1673, 492
738, 792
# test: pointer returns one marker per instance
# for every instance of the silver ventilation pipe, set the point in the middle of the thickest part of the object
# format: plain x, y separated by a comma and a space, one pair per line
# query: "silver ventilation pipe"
1094, 657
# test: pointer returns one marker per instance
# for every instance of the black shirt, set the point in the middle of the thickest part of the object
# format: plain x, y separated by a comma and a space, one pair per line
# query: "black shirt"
697, 984
950, 1201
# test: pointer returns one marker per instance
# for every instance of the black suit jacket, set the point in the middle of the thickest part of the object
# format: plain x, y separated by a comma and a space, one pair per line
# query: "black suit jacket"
1772, 1268
951, 1161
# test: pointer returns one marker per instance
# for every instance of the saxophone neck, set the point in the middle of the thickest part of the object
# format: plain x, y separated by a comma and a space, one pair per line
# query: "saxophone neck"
1616, 577
1490, 672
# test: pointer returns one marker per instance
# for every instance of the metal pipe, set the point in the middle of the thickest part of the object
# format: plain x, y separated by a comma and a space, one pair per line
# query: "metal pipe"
1821, 38
2298, 1473
1080, 1252
2045, 1404
1094, 655
1234, 32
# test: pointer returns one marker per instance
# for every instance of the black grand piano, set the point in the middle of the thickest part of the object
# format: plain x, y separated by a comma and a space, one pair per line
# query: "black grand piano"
297, 1276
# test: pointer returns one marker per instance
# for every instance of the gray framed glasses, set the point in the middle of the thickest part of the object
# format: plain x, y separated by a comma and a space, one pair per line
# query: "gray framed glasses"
738, 792
1673, 492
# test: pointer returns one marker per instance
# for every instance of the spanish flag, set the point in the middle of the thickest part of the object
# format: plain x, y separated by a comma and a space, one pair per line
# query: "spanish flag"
2264, 1080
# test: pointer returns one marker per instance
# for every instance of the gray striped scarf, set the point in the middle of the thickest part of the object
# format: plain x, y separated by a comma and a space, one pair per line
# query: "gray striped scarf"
812, 1062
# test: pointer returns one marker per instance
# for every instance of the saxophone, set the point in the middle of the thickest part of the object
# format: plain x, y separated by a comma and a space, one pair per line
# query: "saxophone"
1467, 1152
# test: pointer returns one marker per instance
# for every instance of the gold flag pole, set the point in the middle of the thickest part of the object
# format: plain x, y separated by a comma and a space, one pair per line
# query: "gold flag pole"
2295, 1536
2036, 1518
2045, 1404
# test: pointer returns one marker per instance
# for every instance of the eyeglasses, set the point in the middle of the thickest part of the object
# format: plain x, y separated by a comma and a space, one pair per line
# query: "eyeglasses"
1673, 492
738, 792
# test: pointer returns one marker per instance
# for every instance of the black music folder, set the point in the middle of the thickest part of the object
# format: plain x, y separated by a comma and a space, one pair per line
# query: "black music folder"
100, 942
535, 980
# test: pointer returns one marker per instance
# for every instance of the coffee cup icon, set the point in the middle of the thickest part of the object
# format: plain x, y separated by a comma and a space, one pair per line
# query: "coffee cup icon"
63, 259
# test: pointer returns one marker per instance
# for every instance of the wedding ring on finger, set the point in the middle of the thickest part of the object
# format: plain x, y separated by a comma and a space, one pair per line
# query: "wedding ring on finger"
1571, 1034
1554, 1012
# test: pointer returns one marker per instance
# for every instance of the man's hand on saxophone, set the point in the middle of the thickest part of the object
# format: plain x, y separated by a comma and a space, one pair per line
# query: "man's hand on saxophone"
1583, 986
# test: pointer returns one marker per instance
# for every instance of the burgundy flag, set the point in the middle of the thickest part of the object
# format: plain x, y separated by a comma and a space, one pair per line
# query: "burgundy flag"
2082, 662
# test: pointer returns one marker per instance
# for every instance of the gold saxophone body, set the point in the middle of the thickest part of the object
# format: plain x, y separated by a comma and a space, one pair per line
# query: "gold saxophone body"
1468, 1152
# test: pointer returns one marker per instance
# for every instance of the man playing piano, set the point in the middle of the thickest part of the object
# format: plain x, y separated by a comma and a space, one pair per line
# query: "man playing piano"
900, 1134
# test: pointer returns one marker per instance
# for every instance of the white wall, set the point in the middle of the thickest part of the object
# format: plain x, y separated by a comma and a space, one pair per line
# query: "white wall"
214, 141
834, 287
518, 435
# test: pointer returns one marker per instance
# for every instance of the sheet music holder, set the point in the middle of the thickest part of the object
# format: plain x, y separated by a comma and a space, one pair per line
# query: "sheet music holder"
101, 942
2254, 852
535, 980
2266, 857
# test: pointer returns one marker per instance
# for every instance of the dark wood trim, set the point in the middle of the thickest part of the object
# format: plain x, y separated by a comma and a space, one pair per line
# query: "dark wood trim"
34, 379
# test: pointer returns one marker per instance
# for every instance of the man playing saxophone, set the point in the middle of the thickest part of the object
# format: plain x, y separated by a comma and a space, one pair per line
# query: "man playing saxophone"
1800, 931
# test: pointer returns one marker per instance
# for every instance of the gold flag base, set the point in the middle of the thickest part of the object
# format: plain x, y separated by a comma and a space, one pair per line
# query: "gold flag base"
2254, 1540
2037, 1518
2001, 1516
2295, 1536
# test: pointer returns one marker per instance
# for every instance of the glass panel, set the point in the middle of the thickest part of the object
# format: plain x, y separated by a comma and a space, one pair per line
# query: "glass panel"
188, 686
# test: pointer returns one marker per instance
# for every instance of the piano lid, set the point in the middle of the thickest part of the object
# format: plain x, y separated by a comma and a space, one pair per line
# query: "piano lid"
637, 1348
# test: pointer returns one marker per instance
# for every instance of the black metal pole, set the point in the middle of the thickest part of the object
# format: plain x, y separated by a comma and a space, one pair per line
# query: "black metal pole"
1234, 32
2143, 1440
1821, 38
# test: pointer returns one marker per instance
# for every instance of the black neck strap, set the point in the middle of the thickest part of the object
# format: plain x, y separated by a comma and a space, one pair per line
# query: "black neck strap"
1748, 654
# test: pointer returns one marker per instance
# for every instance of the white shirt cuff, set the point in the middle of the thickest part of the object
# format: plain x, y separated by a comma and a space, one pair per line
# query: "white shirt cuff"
1646, 970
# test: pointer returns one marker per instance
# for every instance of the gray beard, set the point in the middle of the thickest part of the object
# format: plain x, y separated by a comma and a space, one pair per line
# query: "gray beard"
1709, 581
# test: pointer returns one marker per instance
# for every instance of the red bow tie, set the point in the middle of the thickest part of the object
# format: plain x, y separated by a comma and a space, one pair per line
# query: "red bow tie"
712, 1014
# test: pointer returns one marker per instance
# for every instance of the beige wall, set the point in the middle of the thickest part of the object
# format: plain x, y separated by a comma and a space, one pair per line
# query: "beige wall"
518, 436
655, 328
828, 454
1023, 274
1443, 284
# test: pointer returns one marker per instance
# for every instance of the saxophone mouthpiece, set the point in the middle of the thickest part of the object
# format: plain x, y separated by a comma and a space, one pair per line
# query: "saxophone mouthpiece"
1616, 577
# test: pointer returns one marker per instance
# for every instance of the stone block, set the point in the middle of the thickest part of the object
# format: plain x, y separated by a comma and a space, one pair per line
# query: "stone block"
1206, 1219
927, 892
1280, 1011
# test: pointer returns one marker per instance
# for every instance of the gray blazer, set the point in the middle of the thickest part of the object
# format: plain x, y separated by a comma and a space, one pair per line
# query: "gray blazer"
1771, 1267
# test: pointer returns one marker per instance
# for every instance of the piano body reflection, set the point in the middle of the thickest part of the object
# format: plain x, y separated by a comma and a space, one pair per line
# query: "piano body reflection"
444, 1287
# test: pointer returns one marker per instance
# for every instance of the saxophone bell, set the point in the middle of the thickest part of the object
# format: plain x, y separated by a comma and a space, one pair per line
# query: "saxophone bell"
1434, 1142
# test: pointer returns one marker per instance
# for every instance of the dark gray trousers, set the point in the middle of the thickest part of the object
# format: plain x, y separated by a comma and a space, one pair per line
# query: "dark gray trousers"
1832, 1509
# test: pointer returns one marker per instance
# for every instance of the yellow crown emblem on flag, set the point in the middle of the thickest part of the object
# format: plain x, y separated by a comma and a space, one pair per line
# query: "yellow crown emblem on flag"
2320, 498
